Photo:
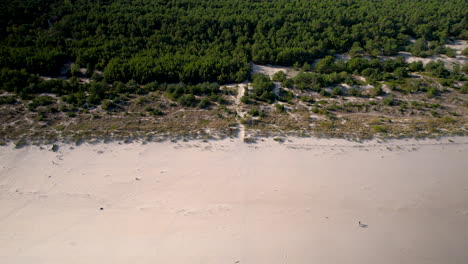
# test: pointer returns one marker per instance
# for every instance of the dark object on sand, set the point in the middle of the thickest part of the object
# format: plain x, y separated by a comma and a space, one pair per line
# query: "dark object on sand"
102, 208
362, 225
55, 148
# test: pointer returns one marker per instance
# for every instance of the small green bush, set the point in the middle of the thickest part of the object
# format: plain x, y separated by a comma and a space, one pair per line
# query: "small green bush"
107, 104
7, 100
280, 108
380, 129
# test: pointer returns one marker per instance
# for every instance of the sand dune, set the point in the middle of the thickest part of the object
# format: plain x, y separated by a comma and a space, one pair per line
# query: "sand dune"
228, 202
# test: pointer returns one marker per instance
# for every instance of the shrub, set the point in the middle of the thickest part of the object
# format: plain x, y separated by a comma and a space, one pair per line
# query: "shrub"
336, 91
433, 91
254, 112
245, 99
400, 73
7, 100
288, 83
464, 88
446, 82
380, 129
107, 104
285, 96
249, 140
354, 92
326, 65
279, 76
263, 88
20, 143
416, 66
323, 92
465, 52
389, 100
307, 99
450, 52
40, 101
377, 90
155, 112
204, 103
280, 108
187, 100
437, 68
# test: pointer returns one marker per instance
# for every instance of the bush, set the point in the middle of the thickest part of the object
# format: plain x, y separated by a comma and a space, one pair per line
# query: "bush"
389, 100
432, 91
280, 108
400, 73
245, 99
154, 111
7, 100
279, 76
204, 103
380, 129
40, 101
446, 82
285, 96
20, 143
254, 112
308, 99
416, 66
107, 104
464, 88
249, 140
324, 92
263, 88
187, 100
377, 90
326, 65
450, 52
465, 52
336, 91
354, 92
437, 68
288, 83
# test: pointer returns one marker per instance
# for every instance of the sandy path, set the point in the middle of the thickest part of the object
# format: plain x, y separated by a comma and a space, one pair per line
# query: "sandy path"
240, 113
225, 202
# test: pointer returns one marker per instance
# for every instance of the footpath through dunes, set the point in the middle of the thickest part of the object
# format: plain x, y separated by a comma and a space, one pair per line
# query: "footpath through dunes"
240, 113
301, 201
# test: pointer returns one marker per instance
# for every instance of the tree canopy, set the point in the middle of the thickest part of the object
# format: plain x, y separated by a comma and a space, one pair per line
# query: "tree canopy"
194, 41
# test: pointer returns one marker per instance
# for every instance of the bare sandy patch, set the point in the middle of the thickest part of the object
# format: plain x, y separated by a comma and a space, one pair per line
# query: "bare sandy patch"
270, 70
449, 62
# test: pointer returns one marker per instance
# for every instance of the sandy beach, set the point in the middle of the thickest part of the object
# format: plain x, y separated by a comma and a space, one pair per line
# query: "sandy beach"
300, 201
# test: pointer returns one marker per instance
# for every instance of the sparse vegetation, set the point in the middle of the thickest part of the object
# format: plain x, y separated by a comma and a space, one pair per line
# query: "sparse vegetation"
161, 71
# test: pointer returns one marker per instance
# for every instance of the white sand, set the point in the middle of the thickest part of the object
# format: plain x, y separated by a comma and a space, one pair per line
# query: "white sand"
228, 202
270, 70
448, 62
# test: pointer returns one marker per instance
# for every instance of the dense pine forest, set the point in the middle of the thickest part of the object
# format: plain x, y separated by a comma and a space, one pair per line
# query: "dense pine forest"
99, 53
194, 41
